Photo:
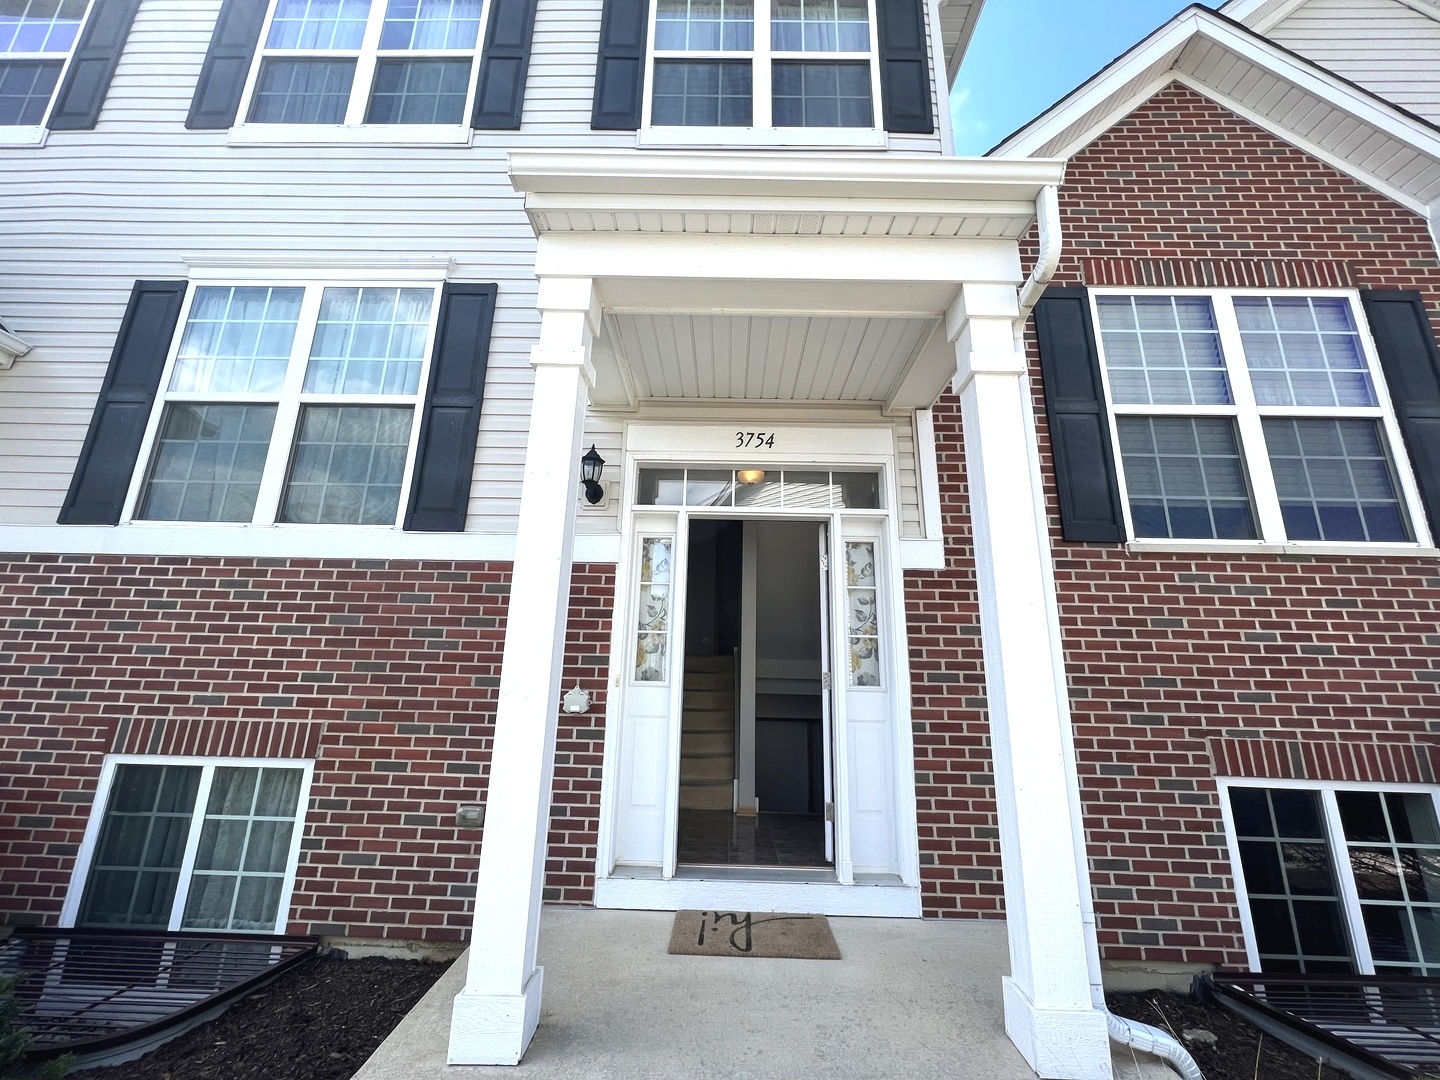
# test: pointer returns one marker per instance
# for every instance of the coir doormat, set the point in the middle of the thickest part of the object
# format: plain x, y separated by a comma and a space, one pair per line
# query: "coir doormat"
770, 934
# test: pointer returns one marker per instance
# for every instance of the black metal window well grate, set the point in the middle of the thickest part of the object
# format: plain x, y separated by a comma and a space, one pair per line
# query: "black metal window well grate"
1371, 1025
86, 991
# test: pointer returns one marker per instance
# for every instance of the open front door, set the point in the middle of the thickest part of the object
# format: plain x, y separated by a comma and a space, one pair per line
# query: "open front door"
827, 681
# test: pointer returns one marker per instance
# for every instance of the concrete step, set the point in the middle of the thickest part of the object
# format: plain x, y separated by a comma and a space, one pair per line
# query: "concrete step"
709, 663
707, 743
708, 699
696, 720
713, 796
706, 768
709, 680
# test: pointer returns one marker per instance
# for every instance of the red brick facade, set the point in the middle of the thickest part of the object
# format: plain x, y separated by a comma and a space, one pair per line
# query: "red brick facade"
384, 672
1184, 667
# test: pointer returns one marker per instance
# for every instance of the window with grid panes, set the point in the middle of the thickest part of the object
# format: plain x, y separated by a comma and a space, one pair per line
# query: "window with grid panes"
359, 62
185, 846
1340, 879
36, 39
763, 64
1250, 416
290, 403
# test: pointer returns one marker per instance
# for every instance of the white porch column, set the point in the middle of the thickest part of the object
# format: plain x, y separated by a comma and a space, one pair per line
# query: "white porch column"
1049, 1012
495, 1015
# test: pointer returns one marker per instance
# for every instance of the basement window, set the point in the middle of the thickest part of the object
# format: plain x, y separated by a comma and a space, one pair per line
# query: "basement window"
1337, 878
183, 844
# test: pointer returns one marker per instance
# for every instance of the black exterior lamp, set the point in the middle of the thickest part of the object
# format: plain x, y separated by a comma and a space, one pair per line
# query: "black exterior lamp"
591, 465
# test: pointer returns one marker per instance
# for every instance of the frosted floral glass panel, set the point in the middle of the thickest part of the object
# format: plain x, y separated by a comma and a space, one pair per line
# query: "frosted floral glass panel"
862, 623
653, 621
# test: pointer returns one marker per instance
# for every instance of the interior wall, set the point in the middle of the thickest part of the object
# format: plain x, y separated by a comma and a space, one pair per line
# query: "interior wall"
787, 592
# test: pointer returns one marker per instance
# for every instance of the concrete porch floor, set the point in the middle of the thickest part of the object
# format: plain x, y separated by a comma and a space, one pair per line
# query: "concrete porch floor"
911, 999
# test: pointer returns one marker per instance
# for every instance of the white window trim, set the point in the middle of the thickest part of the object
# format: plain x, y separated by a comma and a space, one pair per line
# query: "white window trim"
1335, 843
84, 859
761, 132
1265, 502
289, 397
38, 134
354, 129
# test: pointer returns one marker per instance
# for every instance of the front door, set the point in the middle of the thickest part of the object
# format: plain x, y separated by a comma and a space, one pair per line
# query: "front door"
755, 721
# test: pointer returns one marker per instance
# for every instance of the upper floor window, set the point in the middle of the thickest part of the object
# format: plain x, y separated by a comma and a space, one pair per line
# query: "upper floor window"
763, 66
1249, 416
289, 403
36, 40
366, 62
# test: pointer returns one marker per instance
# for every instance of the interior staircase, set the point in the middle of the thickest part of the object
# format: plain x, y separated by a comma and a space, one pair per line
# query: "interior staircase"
707, 734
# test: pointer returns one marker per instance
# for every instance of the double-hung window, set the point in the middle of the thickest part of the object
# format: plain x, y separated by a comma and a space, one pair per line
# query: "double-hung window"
1253, 416
192, 845
36, 40
289, 403
801, 69
1337, 878
357, 64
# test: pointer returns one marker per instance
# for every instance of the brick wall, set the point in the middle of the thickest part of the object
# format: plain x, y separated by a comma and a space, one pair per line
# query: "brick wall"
1183, 666
385, 672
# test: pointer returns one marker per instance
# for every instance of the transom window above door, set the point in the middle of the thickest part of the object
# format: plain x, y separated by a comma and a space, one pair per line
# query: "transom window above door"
787, 488
366, 62
763, 65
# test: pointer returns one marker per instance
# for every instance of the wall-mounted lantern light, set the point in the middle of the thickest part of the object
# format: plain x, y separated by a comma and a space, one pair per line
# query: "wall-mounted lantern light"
591, 465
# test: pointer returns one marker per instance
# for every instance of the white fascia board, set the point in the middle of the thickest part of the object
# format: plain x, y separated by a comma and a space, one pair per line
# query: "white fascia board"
12, 348
1260, 15
1299, 73
1168, 39
955, 54
767, 175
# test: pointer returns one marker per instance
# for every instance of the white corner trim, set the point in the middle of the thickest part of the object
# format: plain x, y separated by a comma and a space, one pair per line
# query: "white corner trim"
12, 347
1432, 214
922, 554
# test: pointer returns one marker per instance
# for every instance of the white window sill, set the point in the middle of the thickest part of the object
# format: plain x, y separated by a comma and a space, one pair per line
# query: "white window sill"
1252, 547
738, 138
23, 136
457, 135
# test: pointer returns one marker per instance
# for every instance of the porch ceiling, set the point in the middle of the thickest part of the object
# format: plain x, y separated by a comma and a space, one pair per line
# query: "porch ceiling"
775, 357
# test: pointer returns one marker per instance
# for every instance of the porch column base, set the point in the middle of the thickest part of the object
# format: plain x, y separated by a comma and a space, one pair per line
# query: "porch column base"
1059, 1044
494, 1029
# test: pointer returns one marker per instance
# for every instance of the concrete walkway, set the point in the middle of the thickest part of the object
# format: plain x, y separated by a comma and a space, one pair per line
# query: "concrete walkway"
911, 999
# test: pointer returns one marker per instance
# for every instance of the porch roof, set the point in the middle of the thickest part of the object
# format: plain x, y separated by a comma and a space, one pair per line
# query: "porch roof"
804, 277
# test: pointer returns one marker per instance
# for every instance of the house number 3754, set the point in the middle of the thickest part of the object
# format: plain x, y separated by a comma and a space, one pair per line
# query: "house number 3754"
749, 440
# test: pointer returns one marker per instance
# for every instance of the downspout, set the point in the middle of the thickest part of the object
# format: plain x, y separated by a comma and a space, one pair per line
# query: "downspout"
1132, 1033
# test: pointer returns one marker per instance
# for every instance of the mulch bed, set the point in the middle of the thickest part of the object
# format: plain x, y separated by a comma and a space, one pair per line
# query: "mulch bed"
318, 1021
1239, 1050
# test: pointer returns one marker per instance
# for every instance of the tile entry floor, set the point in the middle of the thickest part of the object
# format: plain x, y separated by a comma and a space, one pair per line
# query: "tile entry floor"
721, 838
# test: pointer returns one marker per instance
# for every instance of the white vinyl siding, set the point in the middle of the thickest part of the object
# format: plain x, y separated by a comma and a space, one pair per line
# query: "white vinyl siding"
1387, 47
93, 211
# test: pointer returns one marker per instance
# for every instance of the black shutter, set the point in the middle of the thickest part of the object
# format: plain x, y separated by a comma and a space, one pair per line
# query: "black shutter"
117, 427
227, 65
506, 59
1408, 356
904, 66
77, 106
450, 423
620, 67
1079, 423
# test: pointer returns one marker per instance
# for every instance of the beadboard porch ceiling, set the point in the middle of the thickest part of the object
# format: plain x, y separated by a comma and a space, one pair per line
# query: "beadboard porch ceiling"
901, 362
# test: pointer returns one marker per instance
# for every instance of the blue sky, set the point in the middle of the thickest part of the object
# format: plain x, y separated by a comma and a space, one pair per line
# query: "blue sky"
1027, 54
